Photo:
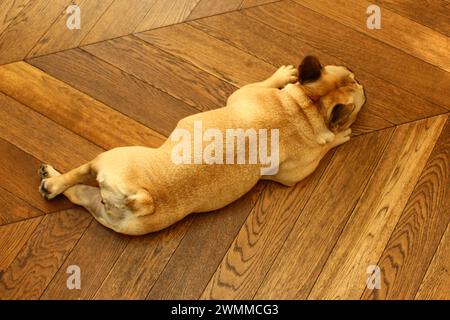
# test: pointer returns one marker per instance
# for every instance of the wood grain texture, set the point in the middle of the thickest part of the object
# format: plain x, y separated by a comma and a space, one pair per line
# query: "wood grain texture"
436, 283
253, 3
73, 109
207, 8
9, 9
117, 89
416, 236
375, 216
202, 248
166, 12
29, 131
12, 238
164, 71
15, 209
316, 231
254, 249
360, 51
20, 179
424, 43
208, 53
59, 37
140, 264
380, 199
386, 103
431, 13
121, 18
95, 254
28, 27
42, 255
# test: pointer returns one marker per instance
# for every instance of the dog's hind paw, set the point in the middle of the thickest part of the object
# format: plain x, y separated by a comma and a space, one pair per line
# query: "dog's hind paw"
47, 189
47, 171
45, 193
42, 172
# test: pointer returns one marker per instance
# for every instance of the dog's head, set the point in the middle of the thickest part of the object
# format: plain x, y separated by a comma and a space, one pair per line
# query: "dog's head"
335, 91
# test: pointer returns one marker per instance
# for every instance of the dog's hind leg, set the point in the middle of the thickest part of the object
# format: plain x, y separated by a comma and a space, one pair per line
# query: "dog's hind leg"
91, 199
54, 183
83, 195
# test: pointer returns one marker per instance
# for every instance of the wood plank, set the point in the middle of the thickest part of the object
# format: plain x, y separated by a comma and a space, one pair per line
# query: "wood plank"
164, 71
94, 254
368, 230
20, 181
9, 9
385, 101
59, 37
377, 58
140, 264
42, 255
423, 43
121, 18
202, 248
42, 138
206, 8
73, 109
436, 283
431, 13
254, 249
117, 89
28, 27
15, 209
318, 227
209, 54
166, 12
413, 243
12, 238
253, 3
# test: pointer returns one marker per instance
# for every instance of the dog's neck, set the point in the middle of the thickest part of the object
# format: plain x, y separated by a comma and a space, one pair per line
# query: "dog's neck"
304, 96
309, 106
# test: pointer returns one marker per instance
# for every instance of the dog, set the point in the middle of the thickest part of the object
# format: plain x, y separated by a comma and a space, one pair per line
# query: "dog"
139, 190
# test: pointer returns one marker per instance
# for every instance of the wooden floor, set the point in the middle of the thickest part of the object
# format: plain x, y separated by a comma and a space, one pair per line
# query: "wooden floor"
136, 67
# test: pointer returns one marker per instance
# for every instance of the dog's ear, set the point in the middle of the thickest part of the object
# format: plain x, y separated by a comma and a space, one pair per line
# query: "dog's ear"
309, 70
340, 114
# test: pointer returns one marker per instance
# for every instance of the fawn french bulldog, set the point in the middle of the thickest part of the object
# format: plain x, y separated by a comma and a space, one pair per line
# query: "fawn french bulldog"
141, 190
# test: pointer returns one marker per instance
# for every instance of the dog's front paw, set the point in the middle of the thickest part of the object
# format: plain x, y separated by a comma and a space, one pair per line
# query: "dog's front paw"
325, 137
285, 75
346, 133
343, 136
